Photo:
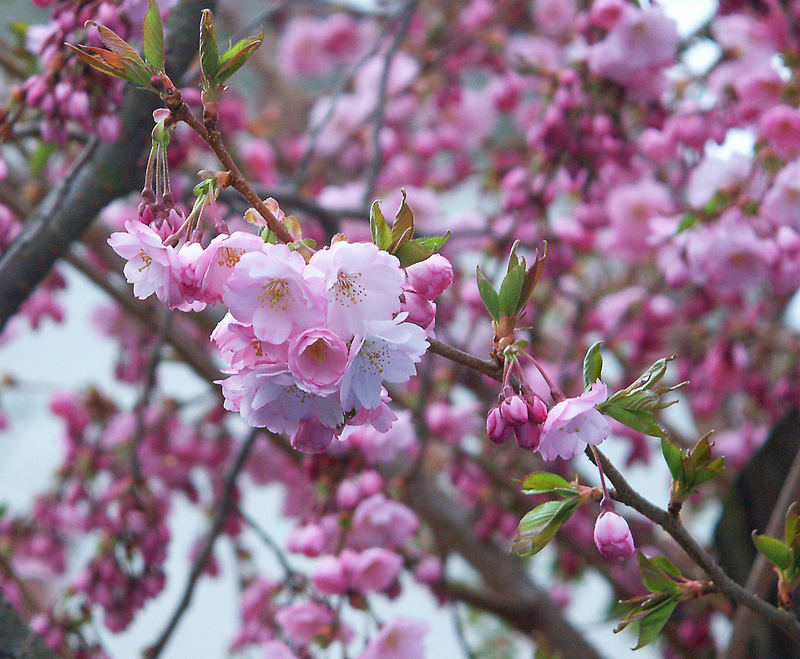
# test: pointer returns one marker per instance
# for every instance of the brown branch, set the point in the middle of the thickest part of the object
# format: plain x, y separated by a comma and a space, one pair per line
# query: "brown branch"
625, 494
146, 312
485, 366
224, 508
17, 640
182, 112
761, 574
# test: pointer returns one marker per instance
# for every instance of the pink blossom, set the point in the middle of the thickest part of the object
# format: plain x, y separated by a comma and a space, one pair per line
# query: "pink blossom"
430, 277
386, 352
400, 638
303, 621
217, 262
612, 536
574, 423
780, 127
782, 202
239, 347
151, 267
267, 396
380, 522
716, 174
554, 17
268, 291
372, 570
277, 650
635, 51
311, 436
317, 359
329, 576
361, 283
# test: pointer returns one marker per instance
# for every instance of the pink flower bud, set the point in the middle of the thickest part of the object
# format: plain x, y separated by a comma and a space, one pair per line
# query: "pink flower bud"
421, 311
496, 428
514, 410
613, 536
430, 277
528, 435
348, 494
329, 576
312, 436
537, 410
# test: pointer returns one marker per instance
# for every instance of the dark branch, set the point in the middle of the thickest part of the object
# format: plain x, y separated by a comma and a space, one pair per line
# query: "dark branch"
103, 173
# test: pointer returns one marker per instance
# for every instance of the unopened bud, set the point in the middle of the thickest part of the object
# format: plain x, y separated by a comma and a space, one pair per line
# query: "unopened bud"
496, 428
514, 410
612, 536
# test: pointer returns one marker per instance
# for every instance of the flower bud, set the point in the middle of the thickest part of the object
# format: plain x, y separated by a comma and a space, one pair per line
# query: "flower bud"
528, 435
537, 410
514, 410
496, 428
612, 536
311, 436
430, 277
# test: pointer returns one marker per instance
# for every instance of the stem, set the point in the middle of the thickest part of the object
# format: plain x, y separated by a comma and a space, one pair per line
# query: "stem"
625, 494
605, 503
182, 112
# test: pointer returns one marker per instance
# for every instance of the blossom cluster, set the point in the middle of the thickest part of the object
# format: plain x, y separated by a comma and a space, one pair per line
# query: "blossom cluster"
309, 340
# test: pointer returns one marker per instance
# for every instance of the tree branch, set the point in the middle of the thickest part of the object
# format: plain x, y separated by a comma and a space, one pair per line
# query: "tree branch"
624, 493
103, 173
17, 640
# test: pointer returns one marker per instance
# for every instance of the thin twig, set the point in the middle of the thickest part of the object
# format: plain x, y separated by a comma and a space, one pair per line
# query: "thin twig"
380, 108
183, 113
224, 508
269, 542
316, 130
140, 409
485, 366
624, 493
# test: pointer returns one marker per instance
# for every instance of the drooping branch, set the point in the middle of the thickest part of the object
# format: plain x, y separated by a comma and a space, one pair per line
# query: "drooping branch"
102, 173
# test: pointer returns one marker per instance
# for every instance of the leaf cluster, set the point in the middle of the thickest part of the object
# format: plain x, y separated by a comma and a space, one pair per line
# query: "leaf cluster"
690, 469
784, 554
399, 239
649, 613
634, 405
515, 289
216, 68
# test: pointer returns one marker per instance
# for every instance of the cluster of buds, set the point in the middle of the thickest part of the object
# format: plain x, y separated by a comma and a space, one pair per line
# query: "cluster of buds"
521, 414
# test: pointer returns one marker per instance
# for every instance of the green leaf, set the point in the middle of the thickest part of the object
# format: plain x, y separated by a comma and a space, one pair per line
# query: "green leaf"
381, 235
651, 624
38, 159
775, 550
234, 58
688, 221
510, 291
672, 455
666, 565
544, 537
655, 579
432, 243
410, 252
538, 526
532, 276
489, 296
641, 420
792, 524
153, 37
543, 481
403, 226
592, 365
209, 52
